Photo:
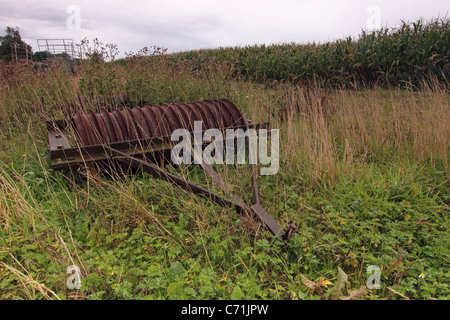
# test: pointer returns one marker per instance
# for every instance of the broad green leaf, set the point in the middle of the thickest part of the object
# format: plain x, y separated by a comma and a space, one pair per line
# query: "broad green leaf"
176, 271
175, 291
237, 293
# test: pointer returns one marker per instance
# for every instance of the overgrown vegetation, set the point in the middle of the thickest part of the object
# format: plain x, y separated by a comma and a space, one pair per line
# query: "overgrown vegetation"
363, 173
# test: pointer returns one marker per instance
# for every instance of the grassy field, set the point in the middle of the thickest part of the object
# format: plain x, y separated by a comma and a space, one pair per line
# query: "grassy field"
364, 174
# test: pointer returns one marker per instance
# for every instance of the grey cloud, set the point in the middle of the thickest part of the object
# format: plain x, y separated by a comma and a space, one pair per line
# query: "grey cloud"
182, 25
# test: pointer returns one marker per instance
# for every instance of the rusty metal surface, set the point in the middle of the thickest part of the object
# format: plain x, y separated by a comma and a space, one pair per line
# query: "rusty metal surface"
154, 121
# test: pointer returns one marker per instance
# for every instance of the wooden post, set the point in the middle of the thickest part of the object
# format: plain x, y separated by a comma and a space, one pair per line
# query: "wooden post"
15, 49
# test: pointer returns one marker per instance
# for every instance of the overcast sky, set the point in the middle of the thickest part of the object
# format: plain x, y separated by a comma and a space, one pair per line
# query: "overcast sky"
193, 24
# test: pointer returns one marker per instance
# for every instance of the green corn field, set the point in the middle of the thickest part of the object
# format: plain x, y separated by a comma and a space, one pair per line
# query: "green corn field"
407, 56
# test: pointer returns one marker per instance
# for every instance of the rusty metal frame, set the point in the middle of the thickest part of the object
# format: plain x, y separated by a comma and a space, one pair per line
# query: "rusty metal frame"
64, 156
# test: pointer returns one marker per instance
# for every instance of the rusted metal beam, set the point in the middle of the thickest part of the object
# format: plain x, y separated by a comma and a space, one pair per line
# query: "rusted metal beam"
256, 210
160, 173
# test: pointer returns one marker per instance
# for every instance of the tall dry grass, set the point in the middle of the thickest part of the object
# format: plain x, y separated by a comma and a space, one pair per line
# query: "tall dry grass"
330, 133
324, 133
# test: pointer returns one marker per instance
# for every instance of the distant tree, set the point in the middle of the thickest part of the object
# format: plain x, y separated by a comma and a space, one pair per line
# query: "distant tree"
13, 38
